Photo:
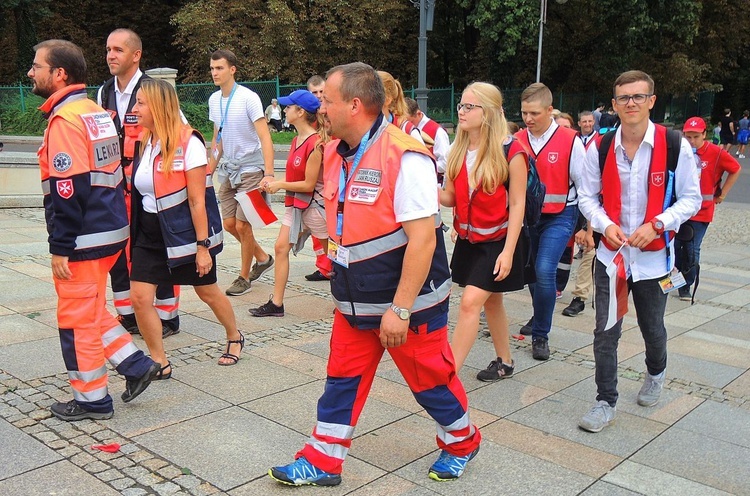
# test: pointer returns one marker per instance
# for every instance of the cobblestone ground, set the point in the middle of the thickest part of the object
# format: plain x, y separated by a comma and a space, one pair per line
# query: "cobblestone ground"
136, 471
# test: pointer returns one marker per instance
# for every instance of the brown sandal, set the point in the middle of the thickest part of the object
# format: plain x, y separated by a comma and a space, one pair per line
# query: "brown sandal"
230, 356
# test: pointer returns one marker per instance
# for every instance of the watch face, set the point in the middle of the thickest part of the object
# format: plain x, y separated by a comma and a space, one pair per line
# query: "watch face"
404, 314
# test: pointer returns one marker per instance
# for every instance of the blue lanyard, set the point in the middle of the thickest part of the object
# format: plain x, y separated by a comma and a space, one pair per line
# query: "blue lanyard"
224, 113
667, 203
344, 180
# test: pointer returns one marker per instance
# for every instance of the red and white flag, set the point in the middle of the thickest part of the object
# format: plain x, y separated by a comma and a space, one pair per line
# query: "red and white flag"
255, 208
618, 290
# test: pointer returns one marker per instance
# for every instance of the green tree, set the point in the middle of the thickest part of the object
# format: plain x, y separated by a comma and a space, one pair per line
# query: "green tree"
295, 39
18, 20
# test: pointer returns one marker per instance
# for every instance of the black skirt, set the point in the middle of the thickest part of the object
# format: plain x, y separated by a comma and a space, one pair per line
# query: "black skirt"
148, 258
472, 265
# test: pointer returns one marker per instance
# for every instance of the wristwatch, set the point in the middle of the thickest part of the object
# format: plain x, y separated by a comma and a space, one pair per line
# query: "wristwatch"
206, 243
658, 226
403, 313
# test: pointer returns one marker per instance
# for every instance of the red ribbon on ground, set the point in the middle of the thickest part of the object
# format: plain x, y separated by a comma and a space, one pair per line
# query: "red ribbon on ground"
109, 448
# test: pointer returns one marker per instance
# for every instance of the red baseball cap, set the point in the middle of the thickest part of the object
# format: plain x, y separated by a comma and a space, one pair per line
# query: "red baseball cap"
696, 124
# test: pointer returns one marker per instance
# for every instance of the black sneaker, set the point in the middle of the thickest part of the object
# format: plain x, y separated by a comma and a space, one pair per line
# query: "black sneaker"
167, 331
129, 323
684, 293
72, 411
540, 349
268, 309
526, 330
496, 370
576, 306
316, 276
134, 387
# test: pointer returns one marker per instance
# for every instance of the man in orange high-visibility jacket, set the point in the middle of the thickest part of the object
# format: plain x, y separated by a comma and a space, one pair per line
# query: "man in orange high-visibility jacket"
88, 228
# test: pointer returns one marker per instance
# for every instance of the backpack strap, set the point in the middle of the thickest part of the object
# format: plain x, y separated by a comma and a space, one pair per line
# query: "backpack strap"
604, 145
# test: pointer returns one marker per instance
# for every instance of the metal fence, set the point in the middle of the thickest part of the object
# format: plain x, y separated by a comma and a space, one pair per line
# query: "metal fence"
15, 101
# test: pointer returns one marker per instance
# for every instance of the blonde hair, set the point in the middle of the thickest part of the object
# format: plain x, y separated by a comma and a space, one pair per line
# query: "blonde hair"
491, 168
162, 101
394, 91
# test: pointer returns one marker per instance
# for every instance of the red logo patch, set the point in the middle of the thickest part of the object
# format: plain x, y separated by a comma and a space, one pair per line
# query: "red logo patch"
354, 192
91, 125
657, 178
704, 164
552, 157
297, 161
65, 188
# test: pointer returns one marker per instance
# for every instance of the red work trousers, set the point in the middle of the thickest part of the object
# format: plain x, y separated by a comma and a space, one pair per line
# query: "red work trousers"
425, 361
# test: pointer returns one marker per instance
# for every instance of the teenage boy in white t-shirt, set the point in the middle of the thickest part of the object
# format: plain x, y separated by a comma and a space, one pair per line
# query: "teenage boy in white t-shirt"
242, 151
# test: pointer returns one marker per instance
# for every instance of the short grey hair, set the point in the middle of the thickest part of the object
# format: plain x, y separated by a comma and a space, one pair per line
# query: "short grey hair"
359, 80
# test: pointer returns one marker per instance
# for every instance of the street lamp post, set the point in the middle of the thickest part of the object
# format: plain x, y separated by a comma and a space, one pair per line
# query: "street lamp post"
426, 15
542, 22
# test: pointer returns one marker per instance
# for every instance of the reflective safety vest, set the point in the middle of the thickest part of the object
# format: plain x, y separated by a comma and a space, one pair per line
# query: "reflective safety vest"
709, 155
173, 209
364, 291
79, 161
296, 164
553, 165
657, 188
481, 216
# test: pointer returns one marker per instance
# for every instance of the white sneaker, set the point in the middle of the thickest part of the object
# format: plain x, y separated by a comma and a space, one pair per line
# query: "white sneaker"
651, 389
599, 417
742, 156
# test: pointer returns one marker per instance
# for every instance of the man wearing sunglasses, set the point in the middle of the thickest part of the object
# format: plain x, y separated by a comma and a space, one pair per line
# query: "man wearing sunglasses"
627, 200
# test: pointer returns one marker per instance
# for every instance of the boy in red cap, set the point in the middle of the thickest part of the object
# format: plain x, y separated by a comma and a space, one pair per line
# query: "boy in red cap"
714, 162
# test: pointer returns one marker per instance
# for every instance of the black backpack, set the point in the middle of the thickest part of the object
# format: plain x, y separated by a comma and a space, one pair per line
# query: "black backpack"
535, 191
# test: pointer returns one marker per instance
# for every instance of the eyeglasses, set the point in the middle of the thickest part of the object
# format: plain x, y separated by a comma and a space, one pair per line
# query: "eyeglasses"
35, 67
638, 98
466, 107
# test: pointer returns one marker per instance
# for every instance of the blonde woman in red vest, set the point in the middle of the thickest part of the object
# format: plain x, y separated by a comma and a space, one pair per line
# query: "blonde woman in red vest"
487, 191
395, 109
175, 223
303, 185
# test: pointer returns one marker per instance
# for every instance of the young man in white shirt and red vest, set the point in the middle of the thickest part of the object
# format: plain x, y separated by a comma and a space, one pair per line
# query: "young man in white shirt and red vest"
584, 238
559, 154
441, 143
628, 200
714, 162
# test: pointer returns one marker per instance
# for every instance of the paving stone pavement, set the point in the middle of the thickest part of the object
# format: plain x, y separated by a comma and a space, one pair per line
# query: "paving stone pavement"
217, 430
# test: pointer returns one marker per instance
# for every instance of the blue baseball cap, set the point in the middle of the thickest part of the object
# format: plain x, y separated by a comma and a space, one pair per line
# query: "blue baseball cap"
303, 99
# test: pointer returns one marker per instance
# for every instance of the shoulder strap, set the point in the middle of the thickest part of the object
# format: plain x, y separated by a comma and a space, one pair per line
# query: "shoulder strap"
131, 103
674, 141
604, 145
106, 88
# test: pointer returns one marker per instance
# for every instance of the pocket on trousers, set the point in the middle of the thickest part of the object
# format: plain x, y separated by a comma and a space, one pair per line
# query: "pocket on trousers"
74, 300
434, 366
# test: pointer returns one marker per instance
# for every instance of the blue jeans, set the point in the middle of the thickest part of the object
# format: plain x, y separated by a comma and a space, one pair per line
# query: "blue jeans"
650, 304
548, 241
700, 231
